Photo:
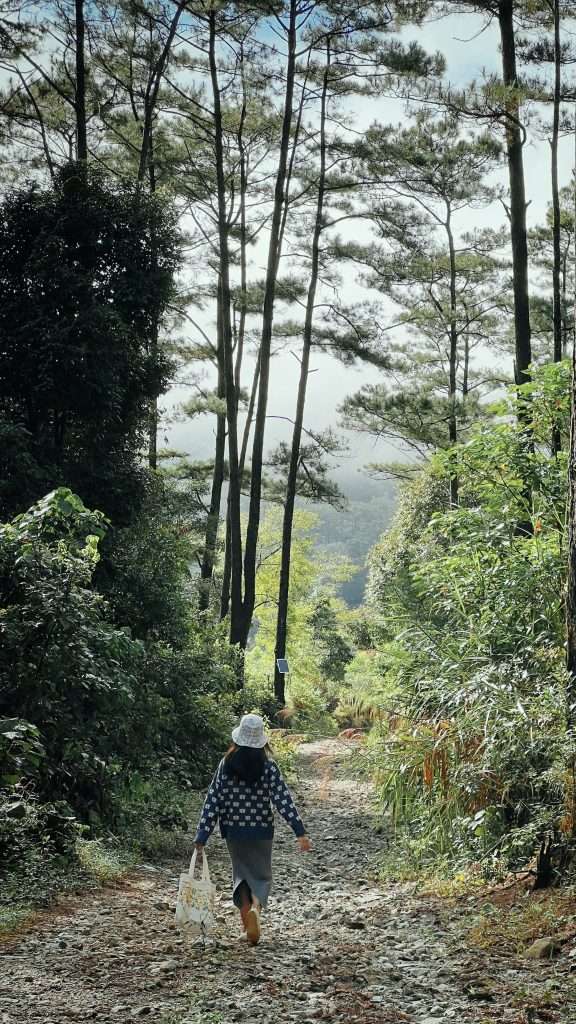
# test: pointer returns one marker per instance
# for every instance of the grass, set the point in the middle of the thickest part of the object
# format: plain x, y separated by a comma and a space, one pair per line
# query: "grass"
12, 918
440, 879
512, 929
106, 864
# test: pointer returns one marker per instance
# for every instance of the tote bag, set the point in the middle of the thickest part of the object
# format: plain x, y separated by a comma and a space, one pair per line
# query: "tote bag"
196, 900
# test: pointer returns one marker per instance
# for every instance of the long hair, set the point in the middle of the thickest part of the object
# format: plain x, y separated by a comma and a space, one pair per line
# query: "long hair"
246, 763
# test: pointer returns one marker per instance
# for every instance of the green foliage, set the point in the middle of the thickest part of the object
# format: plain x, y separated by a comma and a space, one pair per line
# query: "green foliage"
50, 828
12, 918
21, 751
157, 812
316, 639
144, 572
37, 846
333, 649
448, 286
102, 702
471, 760
111, 730
284, 753
61, 664
86, 271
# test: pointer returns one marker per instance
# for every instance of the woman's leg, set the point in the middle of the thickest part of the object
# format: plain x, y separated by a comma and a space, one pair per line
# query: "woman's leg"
253, 923
244, 898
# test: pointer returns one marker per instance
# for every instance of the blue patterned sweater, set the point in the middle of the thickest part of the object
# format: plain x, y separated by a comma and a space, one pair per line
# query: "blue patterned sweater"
246, 810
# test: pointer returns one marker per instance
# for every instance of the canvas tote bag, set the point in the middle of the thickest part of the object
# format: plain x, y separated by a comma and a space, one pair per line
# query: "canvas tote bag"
196, 900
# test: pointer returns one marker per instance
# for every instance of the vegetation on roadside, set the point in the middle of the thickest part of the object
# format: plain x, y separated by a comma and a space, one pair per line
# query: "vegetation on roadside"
468, 745
513, 927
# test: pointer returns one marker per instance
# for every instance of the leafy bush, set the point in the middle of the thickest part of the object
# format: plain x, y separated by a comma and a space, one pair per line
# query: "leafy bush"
21, 751
37, 846
101, 703
284, 753
159, 814
63, 668
51, 830
472, 759
86, 268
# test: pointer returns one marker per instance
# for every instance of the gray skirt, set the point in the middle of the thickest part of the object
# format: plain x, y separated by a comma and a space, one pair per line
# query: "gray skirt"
252, 864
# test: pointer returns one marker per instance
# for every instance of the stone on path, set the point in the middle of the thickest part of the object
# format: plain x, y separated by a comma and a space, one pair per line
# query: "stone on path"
542, 949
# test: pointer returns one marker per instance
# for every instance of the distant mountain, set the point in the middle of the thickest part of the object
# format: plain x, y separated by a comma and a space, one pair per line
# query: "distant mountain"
354, 531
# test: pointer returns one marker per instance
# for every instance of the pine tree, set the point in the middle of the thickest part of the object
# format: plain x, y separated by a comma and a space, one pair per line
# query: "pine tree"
448, 286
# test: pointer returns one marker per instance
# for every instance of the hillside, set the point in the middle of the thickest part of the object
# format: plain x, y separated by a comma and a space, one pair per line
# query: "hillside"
353, 531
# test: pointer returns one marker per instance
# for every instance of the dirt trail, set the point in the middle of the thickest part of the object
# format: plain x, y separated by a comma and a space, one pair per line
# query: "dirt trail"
337, 946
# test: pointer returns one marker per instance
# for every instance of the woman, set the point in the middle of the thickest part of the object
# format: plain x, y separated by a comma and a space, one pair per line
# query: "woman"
246, 785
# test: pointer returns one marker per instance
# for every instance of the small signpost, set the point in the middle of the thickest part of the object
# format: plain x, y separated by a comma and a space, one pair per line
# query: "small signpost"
282, 664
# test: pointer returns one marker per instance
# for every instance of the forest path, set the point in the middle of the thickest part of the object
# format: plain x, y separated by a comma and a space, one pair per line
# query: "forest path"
337, 946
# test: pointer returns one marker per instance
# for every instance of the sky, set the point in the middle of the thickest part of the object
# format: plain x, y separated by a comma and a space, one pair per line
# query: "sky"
471, 50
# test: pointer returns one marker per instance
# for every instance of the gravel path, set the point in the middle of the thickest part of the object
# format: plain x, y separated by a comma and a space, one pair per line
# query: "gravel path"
336, 947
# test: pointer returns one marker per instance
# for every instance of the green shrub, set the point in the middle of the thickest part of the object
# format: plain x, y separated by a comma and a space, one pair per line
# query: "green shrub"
97, 703
63, 668
38, 854
159, 814
472, 758
21, 751
29, 828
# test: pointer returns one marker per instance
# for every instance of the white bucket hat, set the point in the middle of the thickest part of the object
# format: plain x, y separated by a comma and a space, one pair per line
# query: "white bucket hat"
250, 732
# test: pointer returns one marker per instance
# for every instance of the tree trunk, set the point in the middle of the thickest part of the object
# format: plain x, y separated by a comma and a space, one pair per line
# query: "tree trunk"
519, 239
453, 356
226, 575
80, 94
226, 346
243, 232
153, 408
152, 89
514, 145
242, 621
571, 575
213, 520
465, 376
288, 520
225, 597
557, 259
571, 580
565, 318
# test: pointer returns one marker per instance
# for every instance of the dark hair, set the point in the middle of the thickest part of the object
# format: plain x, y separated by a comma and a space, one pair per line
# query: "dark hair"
246, 763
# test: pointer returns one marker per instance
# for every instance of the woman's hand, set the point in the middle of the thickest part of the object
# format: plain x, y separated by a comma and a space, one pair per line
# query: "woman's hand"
304, 844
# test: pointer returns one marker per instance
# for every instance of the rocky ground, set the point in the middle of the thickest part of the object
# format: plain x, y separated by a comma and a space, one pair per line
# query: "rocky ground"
336, 947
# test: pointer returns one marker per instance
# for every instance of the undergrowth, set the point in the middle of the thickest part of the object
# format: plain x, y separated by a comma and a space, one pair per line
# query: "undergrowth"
104, 862
11, 918
284, 751
511, 929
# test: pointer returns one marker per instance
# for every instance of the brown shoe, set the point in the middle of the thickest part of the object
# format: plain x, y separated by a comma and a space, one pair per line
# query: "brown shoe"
253, 926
